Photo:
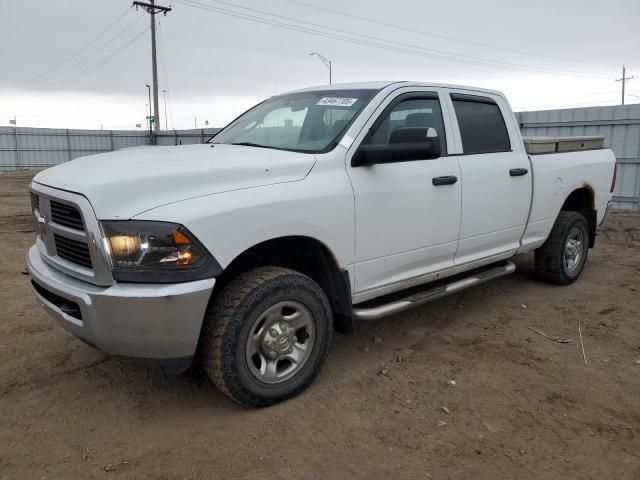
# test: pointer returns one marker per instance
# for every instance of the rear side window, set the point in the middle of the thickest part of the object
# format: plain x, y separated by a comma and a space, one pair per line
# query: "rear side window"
482, 126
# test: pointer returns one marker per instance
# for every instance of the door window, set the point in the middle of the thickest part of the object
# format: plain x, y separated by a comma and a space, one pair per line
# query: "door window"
482, 126
413, 112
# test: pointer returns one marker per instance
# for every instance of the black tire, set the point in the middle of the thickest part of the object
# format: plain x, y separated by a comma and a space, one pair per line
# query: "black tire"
550, 257
227, 333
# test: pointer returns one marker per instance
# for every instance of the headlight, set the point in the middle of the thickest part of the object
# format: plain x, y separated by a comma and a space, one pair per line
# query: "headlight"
145, 251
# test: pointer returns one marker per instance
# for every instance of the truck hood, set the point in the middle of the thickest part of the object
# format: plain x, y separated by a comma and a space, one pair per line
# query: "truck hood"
124, 183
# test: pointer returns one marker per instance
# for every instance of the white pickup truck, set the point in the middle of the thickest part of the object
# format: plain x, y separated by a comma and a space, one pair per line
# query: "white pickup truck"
310, 211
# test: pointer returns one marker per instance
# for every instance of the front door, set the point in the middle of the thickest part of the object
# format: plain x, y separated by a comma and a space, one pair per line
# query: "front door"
406, 223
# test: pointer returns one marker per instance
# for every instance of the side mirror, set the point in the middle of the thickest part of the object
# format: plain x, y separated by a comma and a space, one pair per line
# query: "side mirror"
405, 144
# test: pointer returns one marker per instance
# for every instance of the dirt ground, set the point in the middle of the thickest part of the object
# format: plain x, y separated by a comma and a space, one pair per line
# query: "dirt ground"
520, 405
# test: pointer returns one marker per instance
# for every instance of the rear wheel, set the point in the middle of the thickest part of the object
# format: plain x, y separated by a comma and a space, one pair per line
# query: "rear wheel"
266, 336
561, 258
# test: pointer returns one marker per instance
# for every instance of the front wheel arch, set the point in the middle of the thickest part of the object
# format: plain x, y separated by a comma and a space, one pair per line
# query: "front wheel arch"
305, 255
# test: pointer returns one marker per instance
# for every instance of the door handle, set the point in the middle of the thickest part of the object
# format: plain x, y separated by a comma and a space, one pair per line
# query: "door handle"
445, 180
518, 172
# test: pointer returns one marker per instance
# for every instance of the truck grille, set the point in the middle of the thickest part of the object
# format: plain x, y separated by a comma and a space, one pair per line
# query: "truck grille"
73, 251
66, 215
69, 235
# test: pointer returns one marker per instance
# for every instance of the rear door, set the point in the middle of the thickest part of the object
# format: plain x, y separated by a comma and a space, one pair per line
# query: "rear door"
496, 177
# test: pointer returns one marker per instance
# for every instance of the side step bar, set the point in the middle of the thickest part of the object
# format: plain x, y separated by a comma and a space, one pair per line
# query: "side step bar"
421, 298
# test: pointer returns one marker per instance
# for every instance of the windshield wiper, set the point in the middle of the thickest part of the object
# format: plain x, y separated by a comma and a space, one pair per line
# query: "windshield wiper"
249, 144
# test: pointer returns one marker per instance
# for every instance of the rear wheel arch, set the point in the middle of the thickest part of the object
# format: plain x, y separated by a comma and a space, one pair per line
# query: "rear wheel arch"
305, 255
582, 200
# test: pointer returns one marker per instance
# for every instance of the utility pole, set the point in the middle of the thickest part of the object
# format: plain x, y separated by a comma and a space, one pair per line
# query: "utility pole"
151, 8
166, 119
623, 80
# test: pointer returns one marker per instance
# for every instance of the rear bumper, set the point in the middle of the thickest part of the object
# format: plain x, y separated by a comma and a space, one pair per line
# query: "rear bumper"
155, 323
606, 212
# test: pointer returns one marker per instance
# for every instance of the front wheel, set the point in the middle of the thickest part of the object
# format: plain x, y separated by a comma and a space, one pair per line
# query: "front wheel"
561, 258
266, 336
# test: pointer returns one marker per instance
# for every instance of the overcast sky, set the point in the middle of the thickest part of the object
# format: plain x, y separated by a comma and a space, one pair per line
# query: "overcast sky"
60, 68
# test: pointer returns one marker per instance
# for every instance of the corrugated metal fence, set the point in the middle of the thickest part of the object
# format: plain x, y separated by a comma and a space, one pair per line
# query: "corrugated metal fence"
43, 147
621, 129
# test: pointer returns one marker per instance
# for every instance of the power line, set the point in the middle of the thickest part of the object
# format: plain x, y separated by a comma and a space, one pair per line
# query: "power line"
103, 61
90, 56
435, 35
438, 52
163, 62
365, 40
45, 73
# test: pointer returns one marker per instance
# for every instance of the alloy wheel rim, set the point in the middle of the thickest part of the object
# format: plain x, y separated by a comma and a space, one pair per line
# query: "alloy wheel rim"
280, 342
573, 250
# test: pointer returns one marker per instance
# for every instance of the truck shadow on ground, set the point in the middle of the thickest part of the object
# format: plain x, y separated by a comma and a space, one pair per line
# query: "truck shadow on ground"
420, 328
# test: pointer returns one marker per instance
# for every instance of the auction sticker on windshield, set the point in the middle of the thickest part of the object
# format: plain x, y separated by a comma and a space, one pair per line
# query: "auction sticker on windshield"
337, 101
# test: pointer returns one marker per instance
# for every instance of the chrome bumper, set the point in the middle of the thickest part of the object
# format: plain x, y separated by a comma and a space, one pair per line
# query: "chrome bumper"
156, 322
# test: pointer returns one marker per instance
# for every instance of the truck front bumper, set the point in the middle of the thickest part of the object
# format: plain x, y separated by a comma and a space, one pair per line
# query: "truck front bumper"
158, 324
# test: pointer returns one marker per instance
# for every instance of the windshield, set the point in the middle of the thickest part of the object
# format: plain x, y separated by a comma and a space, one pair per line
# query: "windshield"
310, 122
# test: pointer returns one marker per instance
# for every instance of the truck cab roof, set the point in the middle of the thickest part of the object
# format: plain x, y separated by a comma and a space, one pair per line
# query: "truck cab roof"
379, 85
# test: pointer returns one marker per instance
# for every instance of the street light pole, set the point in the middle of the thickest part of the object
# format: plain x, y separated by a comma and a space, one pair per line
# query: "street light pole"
324, 60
